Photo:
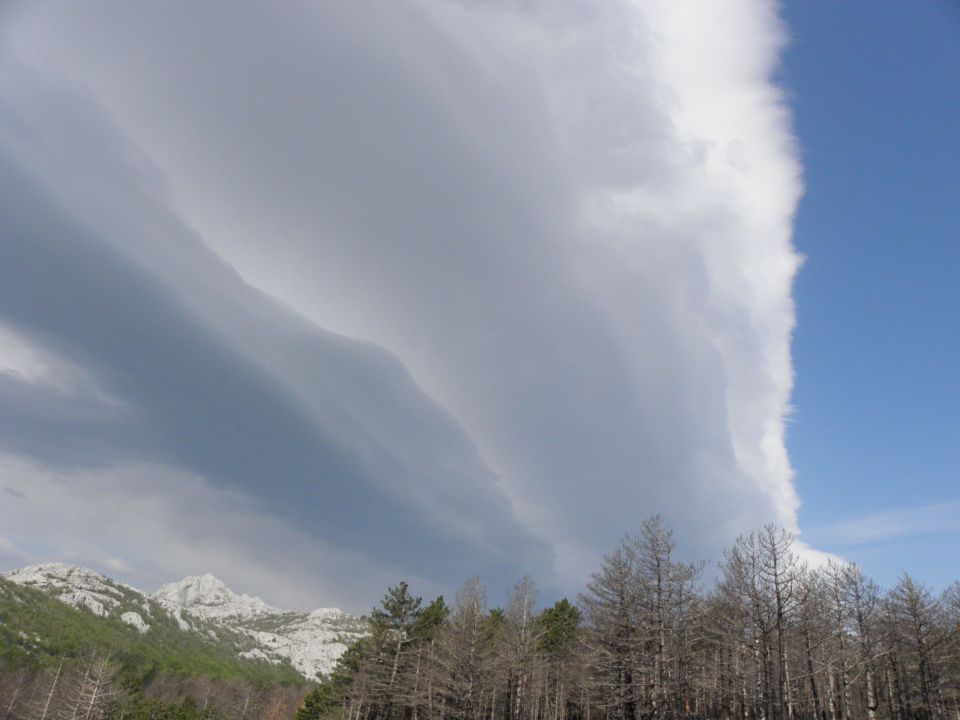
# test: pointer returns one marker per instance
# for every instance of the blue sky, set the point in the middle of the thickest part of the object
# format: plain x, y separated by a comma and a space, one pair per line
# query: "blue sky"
874, 91
315, 299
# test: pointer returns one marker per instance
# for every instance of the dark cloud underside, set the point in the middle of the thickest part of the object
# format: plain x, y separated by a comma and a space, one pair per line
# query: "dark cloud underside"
436, 289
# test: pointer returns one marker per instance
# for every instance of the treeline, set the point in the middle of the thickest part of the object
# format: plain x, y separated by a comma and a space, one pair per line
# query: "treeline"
773, 639
96, 685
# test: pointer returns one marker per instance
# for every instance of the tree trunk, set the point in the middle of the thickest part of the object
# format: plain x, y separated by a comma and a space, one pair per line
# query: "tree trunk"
817, 709
46, 705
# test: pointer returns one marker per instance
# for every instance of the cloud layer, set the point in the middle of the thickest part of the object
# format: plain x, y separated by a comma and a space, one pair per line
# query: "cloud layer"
443, 287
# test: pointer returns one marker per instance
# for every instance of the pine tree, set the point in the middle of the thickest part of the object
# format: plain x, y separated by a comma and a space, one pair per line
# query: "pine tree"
559, 639
392, 621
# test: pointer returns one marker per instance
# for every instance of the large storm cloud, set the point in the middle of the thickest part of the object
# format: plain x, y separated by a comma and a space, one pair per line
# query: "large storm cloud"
442, 287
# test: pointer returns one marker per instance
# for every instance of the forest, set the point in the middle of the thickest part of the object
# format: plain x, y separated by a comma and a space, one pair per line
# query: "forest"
774, 639
770, 638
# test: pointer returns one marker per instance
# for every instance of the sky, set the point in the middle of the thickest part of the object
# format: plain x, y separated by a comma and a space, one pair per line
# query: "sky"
875, 434
317, 298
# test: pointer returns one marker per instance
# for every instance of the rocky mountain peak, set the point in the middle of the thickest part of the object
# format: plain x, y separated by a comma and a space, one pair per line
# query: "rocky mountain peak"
311, 642
208, 597
197, 590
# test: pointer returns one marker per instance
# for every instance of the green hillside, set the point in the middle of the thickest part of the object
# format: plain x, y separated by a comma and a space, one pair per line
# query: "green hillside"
37, 630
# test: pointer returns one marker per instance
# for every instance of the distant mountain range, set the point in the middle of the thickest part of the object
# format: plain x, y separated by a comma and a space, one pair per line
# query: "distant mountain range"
204, 606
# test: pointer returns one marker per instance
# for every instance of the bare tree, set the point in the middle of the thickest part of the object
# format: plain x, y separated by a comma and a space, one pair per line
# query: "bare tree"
610, 605
464, 655
916, 614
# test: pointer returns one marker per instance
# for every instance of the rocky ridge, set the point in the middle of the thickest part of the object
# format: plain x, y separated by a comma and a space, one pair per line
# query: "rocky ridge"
312, 642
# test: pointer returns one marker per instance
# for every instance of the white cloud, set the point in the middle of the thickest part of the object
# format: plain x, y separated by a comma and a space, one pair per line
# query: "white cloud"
886, 526
21, 359
571, 222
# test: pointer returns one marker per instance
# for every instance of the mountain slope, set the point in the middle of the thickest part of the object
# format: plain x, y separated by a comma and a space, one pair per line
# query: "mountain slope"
201, 609
37, 629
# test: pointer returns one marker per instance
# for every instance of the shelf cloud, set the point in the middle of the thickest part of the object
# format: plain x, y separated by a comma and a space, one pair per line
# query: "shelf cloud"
432, 288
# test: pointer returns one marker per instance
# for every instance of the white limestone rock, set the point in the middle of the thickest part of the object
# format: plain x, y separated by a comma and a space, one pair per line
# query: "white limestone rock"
132, 618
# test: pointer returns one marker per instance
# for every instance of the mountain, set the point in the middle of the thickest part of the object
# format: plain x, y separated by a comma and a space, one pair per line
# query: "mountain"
207, 597
38, 631
204, 607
